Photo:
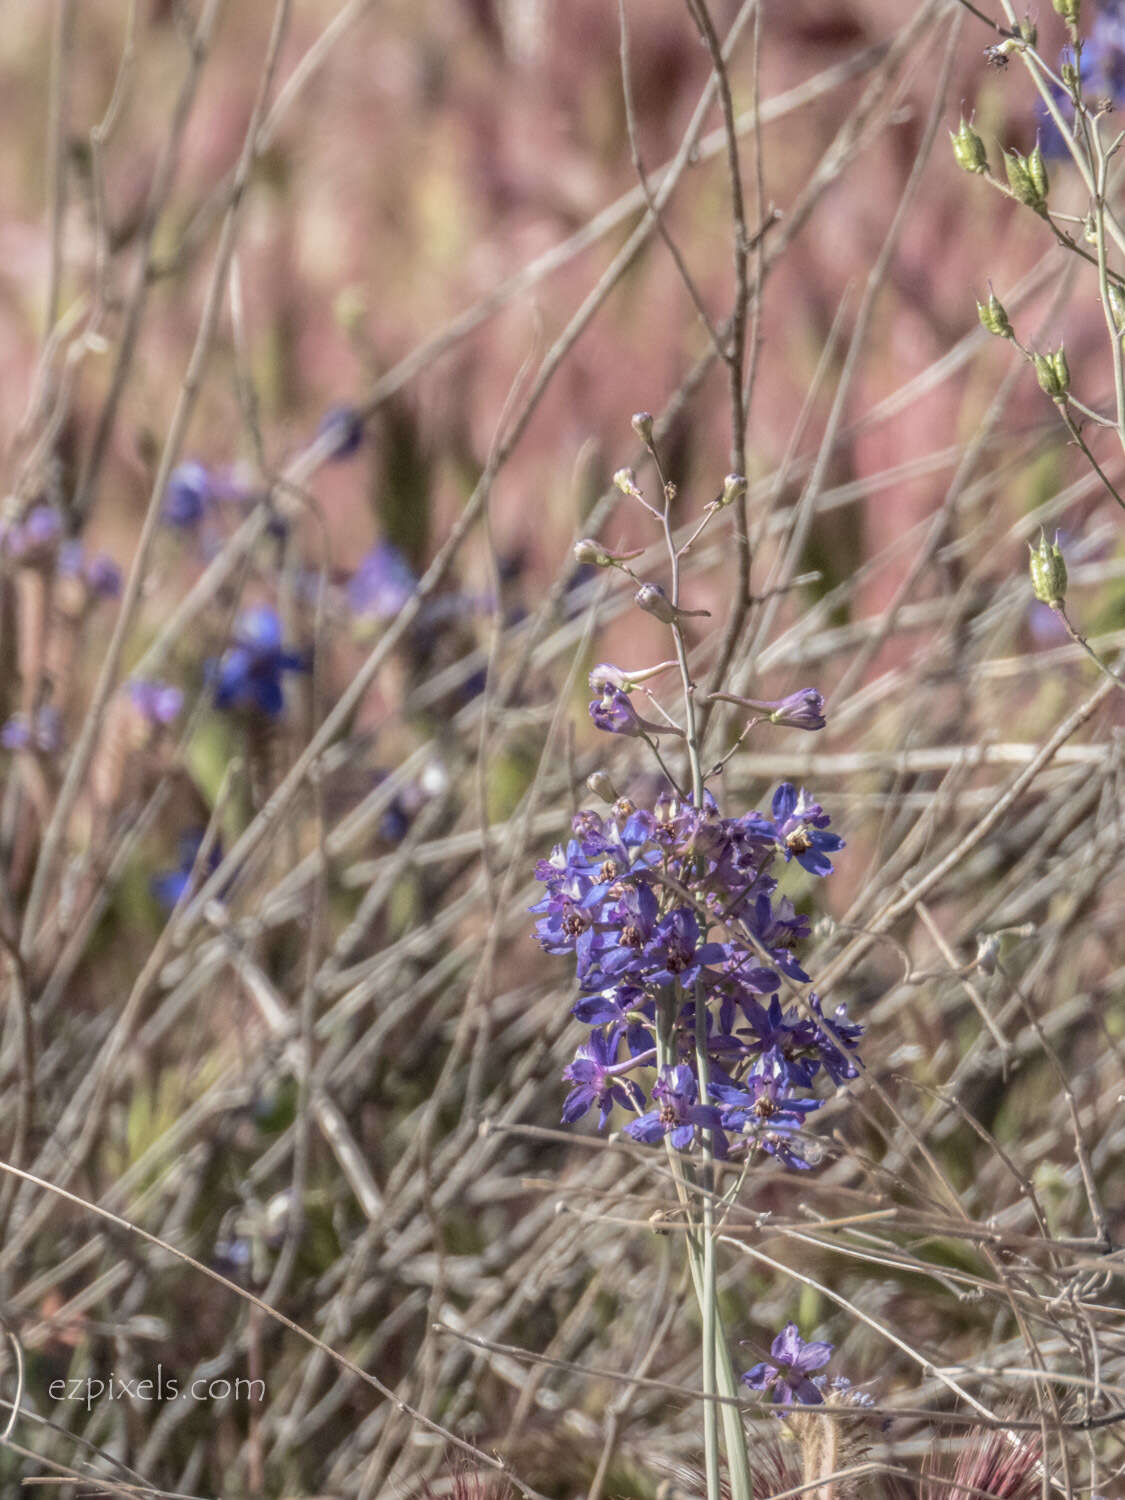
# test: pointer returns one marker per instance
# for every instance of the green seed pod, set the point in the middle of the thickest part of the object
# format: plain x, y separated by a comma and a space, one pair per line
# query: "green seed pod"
1117, 305
1021, 181
1062, 369
1069, 10
993, 317
1048, 571
968, 148
1051, 379
1037, 170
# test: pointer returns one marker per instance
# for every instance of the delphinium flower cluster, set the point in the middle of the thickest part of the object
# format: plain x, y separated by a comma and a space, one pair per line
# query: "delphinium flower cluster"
675, 908
703, 1029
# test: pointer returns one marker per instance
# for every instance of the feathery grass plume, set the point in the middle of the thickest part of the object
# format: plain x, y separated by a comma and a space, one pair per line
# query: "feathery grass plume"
997, 1462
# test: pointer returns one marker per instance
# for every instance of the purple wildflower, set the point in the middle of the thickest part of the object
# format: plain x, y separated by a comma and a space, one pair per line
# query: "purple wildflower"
799, 826
43, 734
765, 1113
614, 713
597, 1076
188, 493
678, 1113
170, 886
249, 674
35, 540
382, 583
788, 1368
1101, 75
100, 574
343, 427
159, 703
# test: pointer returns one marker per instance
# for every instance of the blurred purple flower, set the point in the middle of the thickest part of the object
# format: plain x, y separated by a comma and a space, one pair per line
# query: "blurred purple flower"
43, 735
1101, 75
382, 583
249, 674
157, 702
35, 539
99, 573
170, 886
788, 1368
343, 426
187, 495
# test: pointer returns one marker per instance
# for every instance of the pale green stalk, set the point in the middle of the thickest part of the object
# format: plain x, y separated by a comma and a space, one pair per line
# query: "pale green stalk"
717, 1374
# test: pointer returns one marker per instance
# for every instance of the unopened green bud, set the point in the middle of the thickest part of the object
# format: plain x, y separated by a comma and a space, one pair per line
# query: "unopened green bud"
626, 481
734, 487
592, 554
993, 317
1021, 181
1062, 369
601, 786
1048, 571
1069, 10
641, 422
654, 601
968, 148
1069, 75
1117, 305
1029, 32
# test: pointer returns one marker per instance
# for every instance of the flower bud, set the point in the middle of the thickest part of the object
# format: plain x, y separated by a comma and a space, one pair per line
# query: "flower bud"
1048, 571
654, 601
993, 316
987, 951
1117, 305
1029, 32
1069, 75
734, 487
626, 481
968, 148
601, 786
1069, 10
592, 554
641, 422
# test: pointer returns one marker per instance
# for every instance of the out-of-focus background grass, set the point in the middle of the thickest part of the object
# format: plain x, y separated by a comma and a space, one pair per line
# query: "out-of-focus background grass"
435, 151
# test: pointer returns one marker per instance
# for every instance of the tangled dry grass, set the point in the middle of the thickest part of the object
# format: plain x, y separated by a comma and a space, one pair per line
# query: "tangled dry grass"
306, 1130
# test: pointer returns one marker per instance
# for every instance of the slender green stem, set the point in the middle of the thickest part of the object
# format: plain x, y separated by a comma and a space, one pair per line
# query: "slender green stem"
704, 1274
1080, 640
1076, 436
1103, 282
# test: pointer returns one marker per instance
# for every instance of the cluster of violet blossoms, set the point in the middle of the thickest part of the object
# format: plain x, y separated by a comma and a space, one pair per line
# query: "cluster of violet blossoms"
667, 908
